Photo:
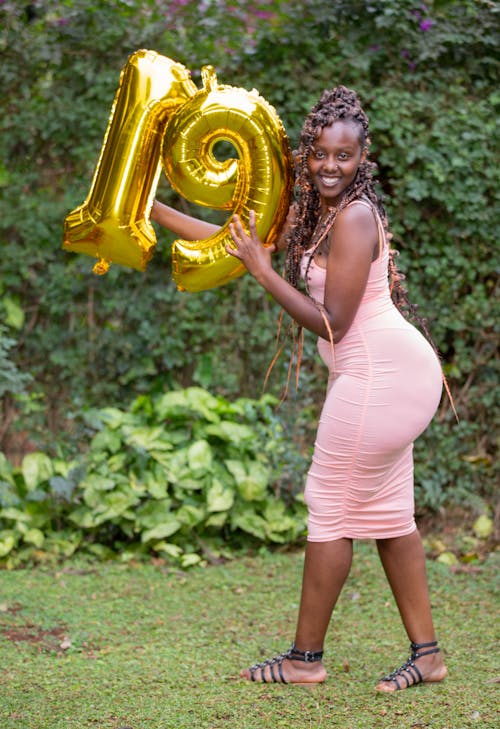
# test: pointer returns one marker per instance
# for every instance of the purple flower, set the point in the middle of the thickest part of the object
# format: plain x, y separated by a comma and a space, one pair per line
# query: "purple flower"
426, 24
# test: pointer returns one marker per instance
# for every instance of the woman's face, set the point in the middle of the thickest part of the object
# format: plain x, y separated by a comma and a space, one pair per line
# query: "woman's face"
334, 160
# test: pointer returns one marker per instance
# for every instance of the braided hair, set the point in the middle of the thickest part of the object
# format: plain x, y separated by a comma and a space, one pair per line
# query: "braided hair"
308, 229
336, 104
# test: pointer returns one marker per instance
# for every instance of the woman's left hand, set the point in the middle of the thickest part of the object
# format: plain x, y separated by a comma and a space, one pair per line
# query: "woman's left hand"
249, 249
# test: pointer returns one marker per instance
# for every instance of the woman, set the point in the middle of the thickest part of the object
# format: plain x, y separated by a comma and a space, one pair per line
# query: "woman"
383, 389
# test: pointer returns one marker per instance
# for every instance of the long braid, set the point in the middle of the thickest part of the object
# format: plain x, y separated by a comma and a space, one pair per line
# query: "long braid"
306, 233
336, 104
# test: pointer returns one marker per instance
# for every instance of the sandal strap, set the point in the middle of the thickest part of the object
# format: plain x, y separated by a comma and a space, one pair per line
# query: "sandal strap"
294, 654
417, 653
409, 668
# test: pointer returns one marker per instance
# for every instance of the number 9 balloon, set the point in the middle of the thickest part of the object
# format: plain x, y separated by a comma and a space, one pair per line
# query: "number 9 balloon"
159, 117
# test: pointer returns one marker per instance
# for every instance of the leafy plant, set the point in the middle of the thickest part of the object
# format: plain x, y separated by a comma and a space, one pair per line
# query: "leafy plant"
186, 475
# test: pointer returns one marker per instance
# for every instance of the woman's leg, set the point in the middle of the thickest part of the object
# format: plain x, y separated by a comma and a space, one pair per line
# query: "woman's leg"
403, 559
326, 567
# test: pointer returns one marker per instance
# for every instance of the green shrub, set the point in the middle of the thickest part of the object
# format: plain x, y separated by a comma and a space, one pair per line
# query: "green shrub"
184, 475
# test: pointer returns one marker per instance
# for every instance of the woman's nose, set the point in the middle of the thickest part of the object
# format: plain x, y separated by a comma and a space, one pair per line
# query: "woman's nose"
330, 163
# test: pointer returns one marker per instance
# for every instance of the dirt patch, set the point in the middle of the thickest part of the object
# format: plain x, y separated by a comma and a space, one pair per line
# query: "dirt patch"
51, 640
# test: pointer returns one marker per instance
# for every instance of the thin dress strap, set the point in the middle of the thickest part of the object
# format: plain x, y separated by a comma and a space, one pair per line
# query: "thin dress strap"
381, 232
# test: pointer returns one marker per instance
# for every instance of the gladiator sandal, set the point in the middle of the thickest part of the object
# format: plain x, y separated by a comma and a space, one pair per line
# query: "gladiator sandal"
409, 669
292, 655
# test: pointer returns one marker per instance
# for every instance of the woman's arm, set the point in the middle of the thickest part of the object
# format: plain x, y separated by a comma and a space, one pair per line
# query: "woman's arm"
183, 225
352, 245
281, 243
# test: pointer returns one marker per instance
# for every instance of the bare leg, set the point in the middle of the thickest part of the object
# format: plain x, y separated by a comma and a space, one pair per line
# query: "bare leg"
403, 559
326, 567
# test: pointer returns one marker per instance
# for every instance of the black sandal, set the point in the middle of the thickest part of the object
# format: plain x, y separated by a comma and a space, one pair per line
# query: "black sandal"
292, 655
409, 668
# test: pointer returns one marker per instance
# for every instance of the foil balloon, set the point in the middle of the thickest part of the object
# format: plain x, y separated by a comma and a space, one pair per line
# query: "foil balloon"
259, 179
113, 223
160, 117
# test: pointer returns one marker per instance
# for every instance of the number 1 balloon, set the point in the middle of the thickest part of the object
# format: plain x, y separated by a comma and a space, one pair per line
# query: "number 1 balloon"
160, 118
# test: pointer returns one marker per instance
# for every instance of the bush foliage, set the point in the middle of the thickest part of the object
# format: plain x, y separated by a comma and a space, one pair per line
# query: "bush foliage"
184, 475
427, 74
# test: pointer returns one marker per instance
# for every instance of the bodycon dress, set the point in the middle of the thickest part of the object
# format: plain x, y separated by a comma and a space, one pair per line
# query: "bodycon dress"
384, 387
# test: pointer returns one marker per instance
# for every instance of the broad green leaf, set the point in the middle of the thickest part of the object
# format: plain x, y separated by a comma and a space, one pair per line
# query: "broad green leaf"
7, 542
83, 517
156, 483
190, 560
146, 438
234, 433
190, 515
186, 483
178, 403
177, 464
106, 439
172, 550
200, 456
6, 470
8, 496
34, 536
166, 529
114, 504
94, 486
112, 417
13, 514
217, 519
280, 525
62, 487
251, 523
117, 463
36, 468
219, 498
251, 478
14, 314
153, 513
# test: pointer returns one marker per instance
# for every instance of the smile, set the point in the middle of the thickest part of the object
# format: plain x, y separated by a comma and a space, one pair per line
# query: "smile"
329, 181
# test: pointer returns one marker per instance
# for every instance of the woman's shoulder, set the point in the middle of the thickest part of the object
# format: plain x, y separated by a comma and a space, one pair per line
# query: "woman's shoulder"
359, 213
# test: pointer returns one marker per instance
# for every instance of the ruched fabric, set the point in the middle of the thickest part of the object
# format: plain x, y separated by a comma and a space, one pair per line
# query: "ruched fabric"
384, 387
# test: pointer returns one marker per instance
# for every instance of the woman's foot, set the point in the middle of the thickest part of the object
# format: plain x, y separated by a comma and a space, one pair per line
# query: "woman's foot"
423, 666
294, 666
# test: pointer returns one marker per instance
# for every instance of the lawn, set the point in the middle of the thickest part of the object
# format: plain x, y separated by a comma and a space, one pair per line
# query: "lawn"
113, 646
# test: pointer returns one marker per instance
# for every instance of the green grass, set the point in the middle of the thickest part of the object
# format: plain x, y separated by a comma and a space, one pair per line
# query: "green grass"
148, 648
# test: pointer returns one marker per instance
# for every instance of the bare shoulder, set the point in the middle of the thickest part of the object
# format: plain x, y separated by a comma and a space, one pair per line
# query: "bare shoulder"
355, 232
357, 216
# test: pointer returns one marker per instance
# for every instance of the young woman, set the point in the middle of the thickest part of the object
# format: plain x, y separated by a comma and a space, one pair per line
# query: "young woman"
383, 389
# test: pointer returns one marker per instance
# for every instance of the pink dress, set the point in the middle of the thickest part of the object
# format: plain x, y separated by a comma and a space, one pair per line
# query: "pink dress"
384, 387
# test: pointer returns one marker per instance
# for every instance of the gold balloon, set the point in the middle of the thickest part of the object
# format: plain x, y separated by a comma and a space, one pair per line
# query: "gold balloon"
260, 180
157, 104
113, 223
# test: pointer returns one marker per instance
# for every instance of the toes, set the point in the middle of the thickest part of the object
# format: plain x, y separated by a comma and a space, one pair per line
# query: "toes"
385, 687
